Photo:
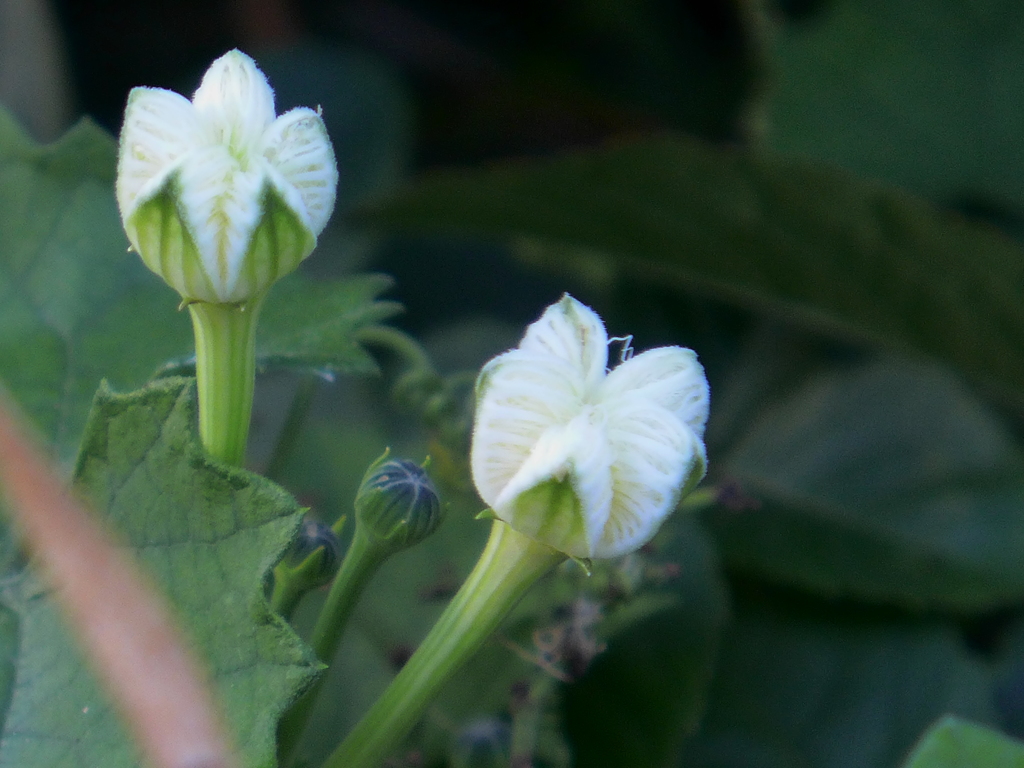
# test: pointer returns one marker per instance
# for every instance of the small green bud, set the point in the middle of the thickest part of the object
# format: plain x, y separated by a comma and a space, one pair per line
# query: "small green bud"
311, 562
397, 504
315, 554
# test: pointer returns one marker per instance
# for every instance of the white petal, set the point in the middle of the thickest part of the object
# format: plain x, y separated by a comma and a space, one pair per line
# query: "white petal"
657, 457
668, 376
572, 332
235, 102
297, 147
578, 457
221, 206
159, 128
520, 395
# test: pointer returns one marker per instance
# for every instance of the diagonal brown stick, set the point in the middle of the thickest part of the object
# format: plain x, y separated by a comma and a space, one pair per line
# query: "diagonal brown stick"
121, 620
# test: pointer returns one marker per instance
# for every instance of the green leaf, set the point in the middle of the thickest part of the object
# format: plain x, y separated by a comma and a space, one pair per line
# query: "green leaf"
648, 691
925, 95
956, 743
314, 325
810, 685
817, 245
208, 534
887, 482
62, 262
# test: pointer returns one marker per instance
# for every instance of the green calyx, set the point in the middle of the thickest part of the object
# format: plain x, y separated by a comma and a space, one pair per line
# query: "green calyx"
200, 269
551, 512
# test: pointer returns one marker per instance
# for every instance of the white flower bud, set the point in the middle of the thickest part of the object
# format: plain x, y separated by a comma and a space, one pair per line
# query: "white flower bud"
587, 461
217, 196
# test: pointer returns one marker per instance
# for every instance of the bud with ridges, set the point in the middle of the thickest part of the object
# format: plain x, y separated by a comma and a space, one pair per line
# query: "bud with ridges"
485, 742
317, 545
396, 504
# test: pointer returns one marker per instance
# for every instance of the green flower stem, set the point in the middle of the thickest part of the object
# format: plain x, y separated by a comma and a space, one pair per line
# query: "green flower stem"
226, 374
509, 565
362, 560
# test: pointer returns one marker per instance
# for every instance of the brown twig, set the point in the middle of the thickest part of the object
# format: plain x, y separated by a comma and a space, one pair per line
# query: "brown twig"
122, 622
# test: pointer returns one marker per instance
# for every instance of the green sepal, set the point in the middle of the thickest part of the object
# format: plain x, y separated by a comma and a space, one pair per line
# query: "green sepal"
158, 229
551, 513
585, 563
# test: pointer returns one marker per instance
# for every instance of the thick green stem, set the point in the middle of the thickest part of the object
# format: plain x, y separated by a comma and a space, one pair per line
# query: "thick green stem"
360, 563
226, 374
509, 565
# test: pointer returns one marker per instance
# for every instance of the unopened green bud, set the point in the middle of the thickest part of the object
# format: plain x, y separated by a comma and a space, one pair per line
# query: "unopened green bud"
316, 553
397, 504
311, 562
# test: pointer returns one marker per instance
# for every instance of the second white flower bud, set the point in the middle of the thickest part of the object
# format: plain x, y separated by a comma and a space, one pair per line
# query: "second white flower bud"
218, 196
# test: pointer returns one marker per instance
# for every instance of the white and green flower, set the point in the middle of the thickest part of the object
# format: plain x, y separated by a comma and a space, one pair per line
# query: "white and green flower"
218, 196
587, 461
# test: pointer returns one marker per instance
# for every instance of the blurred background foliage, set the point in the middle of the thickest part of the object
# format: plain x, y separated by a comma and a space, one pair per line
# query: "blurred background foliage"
822, 197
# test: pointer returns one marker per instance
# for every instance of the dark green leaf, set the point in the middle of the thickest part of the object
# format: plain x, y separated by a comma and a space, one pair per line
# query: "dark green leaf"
956, 743
925, 95
887, 482
208, 534
814, 244
811, 686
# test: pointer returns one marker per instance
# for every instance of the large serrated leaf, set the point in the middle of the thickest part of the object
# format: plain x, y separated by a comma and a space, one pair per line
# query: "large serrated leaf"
208, 535
306, 324
75, 307
815, 244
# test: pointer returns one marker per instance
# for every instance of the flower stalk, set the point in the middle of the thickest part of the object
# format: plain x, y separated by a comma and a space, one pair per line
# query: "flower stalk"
508, 566
225, 337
